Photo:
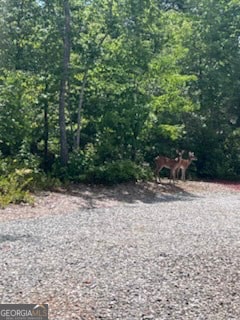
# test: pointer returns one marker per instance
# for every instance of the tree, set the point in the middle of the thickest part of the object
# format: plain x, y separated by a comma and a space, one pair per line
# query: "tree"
123, 79
63, 85
214, 57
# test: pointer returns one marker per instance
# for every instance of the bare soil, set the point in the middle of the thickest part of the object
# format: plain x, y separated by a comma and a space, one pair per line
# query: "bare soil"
75, 197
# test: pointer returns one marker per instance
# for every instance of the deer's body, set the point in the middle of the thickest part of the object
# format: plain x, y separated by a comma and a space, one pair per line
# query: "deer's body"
165, 162
184, 164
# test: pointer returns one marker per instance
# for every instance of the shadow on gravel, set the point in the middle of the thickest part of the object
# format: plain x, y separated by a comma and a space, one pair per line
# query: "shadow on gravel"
143, 192
12, 238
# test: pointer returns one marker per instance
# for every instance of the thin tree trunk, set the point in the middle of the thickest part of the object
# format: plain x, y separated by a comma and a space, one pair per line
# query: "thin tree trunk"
134, 129
70, 116
45, 134
63, 85
19, 48
81, 95
80, 104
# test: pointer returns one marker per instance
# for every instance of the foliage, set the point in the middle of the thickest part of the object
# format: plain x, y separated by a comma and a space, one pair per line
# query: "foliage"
43, 181
118, 171
143, 78
18, 118
13, 188
80, 162
20, 177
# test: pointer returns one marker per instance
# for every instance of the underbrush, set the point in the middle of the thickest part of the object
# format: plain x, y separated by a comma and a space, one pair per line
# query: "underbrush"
18, 183
118, 171
14, 187
19, 179
86, 168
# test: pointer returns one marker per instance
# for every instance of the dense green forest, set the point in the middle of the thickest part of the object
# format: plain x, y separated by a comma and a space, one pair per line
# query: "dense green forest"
92, 91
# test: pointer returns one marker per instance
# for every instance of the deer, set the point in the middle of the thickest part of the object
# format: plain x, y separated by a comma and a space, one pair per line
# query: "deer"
184, 164
165, 162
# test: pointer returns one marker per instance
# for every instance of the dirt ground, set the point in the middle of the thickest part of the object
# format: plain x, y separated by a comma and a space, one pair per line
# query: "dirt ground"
75, 197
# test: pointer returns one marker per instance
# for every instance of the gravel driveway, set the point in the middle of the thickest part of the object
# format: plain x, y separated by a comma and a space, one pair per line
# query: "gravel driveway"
177, 257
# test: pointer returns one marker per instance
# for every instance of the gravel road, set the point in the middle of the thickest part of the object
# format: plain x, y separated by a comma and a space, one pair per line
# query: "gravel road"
177, 257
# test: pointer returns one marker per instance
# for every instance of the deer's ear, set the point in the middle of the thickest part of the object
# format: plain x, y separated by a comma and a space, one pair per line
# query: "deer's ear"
180, 152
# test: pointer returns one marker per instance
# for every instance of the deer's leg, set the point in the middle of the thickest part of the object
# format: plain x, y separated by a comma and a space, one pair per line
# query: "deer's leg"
157, 175
183, 174
178, 173
157, 172
172, 175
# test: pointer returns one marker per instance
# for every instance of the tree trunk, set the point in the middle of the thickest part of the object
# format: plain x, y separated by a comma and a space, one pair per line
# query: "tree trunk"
45, 134
19, 48
80, 103
63, 85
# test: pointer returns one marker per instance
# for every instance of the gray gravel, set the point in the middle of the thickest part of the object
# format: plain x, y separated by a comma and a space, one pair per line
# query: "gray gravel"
175, 258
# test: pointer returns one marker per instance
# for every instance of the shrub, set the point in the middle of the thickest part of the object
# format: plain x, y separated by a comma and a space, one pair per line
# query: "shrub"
117, 172
13, 188
80, 163
16, 180
43, 181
